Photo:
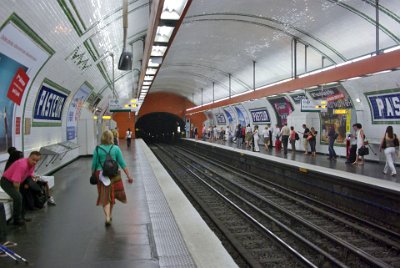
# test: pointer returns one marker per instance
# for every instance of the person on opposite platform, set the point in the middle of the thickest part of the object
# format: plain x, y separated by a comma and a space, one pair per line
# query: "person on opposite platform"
128, 137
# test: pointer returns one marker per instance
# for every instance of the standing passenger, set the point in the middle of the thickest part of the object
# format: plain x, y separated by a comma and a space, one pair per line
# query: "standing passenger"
389, 144
266, 137
249, 136
292, 139
360, 143
332, 135
305, 136
285, 132
312, 140
109, 189
276, 133
256, 138
238, 136
196, 135
128, 137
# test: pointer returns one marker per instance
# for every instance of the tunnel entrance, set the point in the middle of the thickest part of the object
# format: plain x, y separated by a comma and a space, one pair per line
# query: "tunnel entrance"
160, 127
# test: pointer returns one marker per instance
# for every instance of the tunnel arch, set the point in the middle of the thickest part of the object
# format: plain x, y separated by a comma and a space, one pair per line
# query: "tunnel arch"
160, 127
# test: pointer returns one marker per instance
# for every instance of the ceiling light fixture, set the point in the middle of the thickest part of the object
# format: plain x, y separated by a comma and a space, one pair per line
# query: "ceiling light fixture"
125, 61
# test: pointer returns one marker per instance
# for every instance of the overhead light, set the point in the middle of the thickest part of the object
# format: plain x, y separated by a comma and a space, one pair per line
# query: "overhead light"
125, 61
273, 96
106, 117
158, 51
148, 77
389, 49
95, 117
163, 34
383, 72
172, 9
358, 100
155, 61
145, 87
133, 100
146, 83
151, 71
354, 78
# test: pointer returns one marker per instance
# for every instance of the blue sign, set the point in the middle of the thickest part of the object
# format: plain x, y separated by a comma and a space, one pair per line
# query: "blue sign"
385, 108
220, 119
260, 116
49, 104
70, 133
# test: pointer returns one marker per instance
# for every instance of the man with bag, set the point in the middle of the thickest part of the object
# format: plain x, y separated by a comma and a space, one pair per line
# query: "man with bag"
12, 179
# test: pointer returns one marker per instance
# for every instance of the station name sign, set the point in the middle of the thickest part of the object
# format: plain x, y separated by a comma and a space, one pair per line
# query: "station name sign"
385, 106
49, 104
220, 119
260, 116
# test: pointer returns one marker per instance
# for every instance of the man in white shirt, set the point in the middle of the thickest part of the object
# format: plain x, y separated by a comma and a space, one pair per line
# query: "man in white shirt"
285, 132
128, 137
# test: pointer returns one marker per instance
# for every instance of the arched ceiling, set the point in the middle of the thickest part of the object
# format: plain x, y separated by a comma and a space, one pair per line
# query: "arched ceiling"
83, 35
218, 38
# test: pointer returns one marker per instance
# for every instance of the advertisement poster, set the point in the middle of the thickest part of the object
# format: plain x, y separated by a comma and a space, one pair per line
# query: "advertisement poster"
74, 110
337, 98
260, 116
22, 54
8, 70
49, 104
242, 116
384, 106
283, 107
220, 118
298, 97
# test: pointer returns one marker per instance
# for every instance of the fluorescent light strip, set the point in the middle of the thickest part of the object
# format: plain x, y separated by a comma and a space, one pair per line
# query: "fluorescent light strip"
391, 49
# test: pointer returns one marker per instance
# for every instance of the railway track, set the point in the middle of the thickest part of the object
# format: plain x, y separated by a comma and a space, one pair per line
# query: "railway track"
315, 233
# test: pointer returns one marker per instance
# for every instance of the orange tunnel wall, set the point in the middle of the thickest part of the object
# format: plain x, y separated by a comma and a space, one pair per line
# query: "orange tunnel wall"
124, 121
170, 103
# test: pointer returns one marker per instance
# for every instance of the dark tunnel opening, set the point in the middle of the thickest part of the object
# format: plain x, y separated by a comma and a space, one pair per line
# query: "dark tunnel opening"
160, 127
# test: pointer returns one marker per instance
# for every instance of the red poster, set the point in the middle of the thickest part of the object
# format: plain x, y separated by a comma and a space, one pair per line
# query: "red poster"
17, 87
17, 125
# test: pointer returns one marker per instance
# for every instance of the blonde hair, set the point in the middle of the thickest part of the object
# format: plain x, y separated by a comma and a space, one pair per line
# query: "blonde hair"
107, 137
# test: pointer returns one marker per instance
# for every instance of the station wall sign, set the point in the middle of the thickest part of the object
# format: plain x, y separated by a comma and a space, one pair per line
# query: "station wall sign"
298, 97
384, 106
220, 118
49, 104
260, 116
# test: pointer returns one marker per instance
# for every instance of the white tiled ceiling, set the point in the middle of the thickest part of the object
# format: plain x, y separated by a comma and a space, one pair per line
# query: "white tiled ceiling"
218, 38
82, 34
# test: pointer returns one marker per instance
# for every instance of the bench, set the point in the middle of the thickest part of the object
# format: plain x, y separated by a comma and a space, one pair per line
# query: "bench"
7, 201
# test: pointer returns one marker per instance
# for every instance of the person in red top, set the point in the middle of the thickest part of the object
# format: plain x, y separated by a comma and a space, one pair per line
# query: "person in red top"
12, 179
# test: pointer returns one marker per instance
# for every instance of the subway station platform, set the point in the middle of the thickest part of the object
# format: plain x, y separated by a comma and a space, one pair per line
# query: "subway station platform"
158, 227
369, 173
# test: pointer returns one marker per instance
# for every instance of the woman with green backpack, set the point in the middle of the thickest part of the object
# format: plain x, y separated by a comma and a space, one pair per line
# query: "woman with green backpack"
106, 159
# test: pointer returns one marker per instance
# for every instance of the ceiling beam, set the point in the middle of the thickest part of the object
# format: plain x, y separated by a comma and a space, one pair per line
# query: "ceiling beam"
381, 62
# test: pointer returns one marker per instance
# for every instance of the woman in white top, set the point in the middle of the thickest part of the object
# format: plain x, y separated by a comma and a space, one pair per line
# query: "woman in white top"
360, 142
266, 137
256, 138
389, 144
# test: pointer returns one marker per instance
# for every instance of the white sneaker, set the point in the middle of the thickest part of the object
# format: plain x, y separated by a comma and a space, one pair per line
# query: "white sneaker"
51, 201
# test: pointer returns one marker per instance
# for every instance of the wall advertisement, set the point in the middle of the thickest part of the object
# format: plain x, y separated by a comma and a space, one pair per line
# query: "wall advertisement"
22, 54
283, 108
220, 118
298, 97
384, 106
337, 98
74, 109
242, 116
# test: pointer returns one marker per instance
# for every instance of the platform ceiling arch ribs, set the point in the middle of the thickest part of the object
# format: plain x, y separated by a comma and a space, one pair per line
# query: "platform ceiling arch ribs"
224, 37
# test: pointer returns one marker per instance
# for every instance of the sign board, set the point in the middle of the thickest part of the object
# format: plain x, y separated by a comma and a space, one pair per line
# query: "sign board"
220, 118
385, 106
17, 86
123, 105
313, 106
260, 116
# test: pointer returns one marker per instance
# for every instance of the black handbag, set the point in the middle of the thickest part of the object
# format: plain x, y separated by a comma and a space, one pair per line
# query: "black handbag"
363, 151
93, 179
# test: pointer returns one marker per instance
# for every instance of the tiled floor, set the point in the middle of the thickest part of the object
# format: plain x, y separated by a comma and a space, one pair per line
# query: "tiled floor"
73, 234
